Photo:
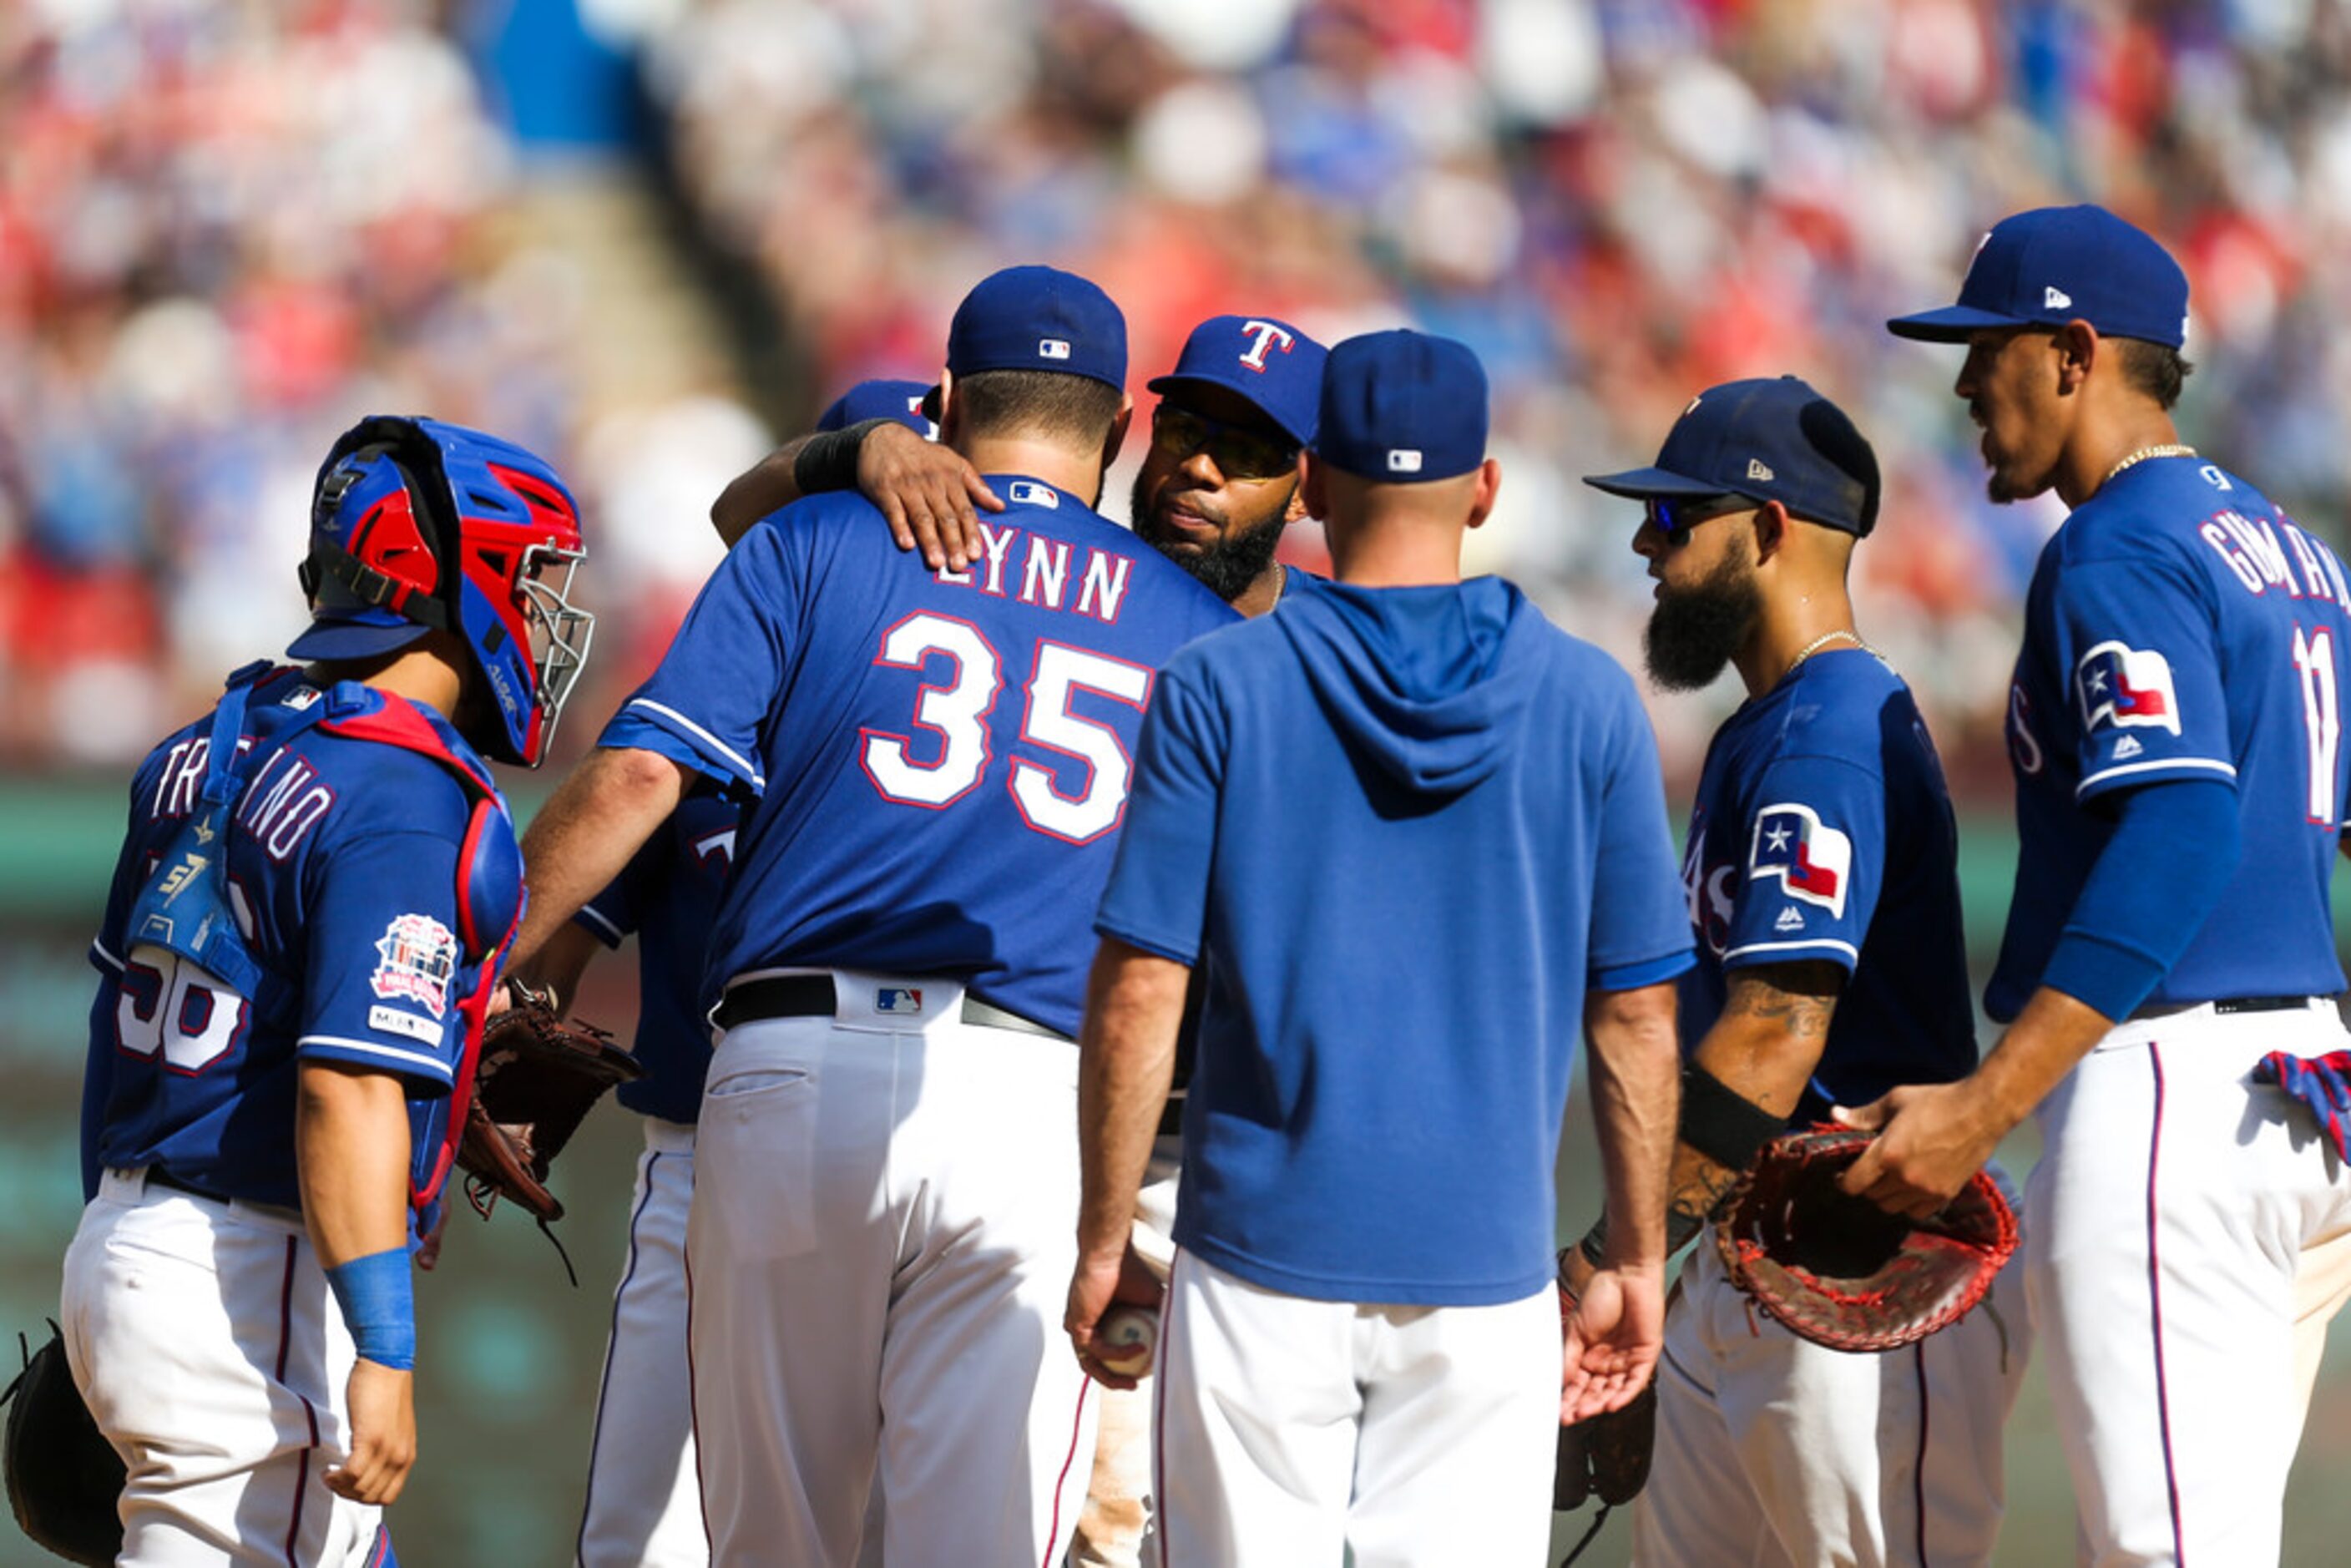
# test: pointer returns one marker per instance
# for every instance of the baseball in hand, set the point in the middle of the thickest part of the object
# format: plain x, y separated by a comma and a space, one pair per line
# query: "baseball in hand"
1125, 1339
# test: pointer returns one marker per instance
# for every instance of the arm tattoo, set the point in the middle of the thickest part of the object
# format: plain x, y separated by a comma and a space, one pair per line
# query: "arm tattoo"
1799, 1012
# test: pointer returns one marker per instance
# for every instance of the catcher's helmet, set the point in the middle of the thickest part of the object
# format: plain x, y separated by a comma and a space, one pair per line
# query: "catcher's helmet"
418, 525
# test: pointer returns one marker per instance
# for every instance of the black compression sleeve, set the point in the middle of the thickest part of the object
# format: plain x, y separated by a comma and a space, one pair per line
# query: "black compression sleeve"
829, 461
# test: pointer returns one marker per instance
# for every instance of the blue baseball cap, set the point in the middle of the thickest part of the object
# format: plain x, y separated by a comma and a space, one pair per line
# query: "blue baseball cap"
1271, 364
1768, 440
900, 400
1402, 408
2055, 265
1039, 318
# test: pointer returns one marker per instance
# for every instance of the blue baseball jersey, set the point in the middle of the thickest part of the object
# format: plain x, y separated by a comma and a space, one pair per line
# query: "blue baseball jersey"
940, 760
360, 883
1403, 830
1823, 832
2179, 626
668, 897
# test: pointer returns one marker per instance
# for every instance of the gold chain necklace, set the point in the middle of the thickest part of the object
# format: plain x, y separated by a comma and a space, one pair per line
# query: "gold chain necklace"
1820, 643
1823, 641
2169, 449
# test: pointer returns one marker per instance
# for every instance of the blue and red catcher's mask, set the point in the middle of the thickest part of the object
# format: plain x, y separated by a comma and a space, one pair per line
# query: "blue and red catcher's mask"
416, 525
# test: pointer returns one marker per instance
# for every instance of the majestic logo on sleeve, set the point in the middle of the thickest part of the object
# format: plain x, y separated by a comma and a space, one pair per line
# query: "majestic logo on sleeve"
2125, 688
1813, 861
416, 959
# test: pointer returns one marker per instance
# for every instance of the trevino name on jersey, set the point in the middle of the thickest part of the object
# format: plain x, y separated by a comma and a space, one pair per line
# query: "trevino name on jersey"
2179, 626
343, 859
922, 736
1822, 807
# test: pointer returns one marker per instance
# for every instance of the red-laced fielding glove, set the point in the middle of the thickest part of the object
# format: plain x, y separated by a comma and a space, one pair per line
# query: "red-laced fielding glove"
1844, 1272
535, 1081
2321, 1082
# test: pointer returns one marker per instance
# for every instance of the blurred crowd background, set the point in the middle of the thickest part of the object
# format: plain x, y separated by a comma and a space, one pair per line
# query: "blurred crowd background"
228, 228
647, 237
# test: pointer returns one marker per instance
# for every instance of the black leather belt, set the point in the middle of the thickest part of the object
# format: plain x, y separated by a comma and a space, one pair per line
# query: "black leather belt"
158, 1176
2261, 1004
812, 996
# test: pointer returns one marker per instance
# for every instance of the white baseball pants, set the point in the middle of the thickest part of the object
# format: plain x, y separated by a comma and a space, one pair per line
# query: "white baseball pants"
645, 1506
880, 1250
1309, 1433
206, 1342
1775, 1452
2177, 1229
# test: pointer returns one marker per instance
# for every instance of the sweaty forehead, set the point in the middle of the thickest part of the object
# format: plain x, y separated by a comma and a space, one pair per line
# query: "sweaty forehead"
1224, 405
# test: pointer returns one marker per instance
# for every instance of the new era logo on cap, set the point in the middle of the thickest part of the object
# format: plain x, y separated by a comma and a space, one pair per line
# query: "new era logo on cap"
1819, 468
2117, 278
1403, 460
1053, 349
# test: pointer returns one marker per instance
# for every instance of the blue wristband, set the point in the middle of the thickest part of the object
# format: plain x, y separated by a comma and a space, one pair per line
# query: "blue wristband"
378, 1296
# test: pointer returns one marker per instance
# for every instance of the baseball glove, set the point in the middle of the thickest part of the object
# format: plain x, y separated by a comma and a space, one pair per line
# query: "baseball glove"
1606, 1456
1844, 1272
64, 1477
535, 1081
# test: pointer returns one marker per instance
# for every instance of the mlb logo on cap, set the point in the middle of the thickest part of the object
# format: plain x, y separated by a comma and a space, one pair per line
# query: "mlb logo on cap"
1039, 318
1402, 407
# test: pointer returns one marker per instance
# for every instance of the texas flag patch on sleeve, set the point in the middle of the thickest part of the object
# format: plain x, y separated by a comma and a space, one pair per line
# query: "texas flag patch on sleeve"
1813, 861
2122, 687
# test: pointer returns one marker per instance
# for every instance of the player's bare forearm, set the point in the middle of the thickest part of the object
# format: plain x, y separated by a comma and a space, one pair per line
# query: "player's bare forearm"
1763, 1047
586, 833
1932, 1137
1126, 1064
1635, 1101
1127, 1059
350, 1149
759, 490
559, 963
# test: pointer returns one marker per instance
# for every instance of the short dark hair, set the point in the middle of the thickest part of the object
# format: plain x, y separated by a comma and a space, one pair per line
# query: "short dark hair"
1049, 403
2155, 369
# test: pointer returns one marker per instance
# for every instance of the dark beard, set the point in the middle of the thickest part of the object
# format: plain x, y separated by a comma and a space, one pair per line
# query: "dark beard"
1694, 632
1225, 569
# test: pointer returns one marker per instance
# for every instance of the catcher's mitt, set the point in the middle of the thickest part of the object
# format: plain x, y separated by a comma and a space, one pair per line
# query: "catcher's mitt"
1844, 1272
64, 1477
535, 1081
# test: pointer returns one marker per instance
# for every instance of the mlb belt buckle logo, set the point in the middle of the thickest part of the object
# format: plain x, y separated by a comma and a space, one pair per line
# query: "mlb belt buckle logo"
898, 1001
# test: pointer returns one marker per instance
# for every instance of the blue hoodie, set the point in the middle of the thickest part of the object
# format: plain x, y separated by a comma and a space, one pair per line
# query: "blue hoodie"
1404, 829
